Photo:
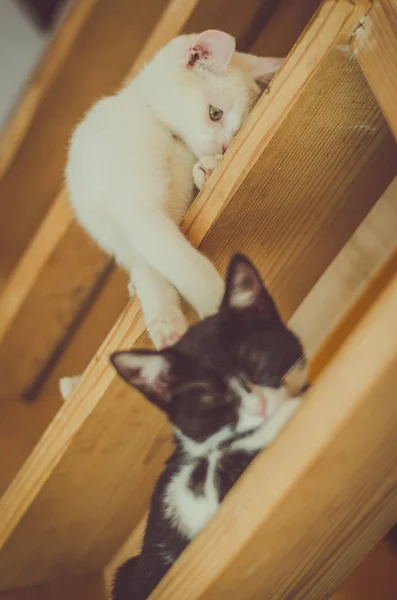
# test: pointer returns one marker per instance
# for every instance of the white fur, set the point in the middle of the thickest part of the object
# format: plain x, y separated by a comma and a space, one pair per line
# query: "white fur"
67, 385
190, 513
130, 169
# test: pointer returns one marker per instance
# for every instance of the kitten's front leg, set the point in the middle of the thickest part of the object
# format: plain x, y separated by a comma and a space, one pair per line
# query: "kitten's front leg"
203, 169
160, 304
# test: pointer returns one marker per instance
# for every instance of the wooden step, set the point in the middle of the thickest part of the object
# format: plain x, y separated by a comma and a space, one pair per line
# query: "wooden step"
375, 577
350, 272
62, 284
87, 587
374, 45
291, 216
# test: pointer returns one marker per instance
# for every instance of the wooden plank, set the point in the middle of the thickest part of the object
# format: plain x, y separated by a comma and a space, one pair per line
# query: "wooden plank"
375, 577
51, 62
374, 45
41, 310
355, 312
22, 423
41, 301
354, 270
105, 424
326, 498
88, 587
21, 426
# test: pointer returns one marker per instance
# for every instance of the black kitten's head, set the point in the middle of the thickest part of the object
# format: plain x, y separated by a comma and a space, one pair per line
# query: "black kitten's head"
233, 369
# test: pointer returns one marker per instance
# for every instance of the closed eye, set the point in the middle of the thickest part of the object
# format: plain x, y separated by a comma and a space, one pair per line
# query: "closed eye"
193, 387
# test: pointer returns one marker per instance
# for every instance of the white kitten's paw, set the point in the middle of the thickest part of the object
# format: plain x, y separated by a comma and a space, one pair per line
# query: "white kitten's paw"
67, 385
167, 328
131, 289
203, 169
211, 295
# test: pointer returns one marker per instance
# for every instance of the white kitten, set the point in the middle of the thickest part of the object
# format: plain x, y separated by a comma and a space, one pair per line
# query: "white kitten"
135, 156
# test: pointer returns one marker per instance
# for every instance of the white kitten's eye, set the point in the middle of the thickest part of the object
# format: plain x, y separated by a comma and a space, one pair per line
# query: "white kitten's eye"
215, 113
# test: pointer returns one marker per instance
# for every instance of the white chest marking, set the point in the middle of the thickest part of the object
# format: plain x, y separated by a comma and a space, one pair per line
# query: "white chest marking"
190, 513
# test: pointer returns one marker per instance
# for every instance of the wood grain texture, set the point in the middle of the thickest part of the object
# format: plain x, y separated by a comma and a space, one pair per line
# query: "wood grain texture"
350, 275
311, 506
107, 429
374, 45
375, 577
45, 296
88, 587
21, 426
22, 423
355, 312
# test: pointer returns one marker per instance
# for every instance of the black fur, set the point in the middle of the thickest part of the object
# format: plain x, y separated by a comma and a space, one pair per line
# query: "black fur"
123, 582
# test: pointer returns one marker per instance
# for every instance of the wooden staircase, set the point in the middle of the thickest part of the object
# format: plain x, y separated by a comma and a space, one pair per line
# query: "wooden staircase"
298, 187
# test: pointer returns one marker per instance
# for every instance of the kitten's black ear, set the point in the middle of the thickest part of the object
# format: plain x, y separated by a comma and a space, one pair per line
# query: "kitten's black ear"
244, 289
150, 372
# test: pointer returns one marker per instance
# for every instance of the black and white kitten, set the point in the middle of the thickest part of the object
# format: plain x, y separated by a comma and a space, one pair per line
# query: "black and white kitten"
228, 387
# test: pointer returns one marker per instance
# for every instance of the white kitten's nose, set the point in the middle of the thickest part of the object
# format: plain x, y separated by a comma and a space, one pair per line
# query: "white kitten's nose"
224, 148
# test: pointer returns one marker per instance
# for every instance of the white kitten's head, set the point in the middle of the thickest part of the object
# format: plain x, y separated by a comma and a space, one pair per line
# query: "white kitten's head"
203, 90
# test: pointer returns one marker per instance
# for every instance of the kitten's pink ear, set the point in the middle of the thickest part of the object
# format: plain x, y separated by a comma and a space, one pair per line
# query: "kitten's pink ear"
262, 69
212, 49
244, 289
149, 372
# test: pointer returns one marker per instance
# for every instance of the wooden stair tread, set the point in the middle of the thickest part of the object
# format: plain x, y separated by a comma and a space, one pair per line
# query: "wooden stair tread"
374, 45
